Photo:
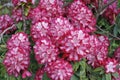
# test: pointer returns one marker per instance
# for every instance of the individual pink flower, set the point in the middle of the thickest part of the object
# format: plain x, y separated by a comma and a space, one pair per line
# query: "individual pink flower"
40, 29
45, 51
17, 14
26, 74
59, 70
39, 74
19, 40
16, 61
110, 65
75, 45
81, 16
6, 22
92, 60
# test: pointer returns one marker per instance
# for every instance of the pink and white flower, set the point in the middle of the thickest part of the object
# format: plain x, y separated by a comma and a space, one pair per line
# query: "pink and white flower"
40, 29
98, 50
5, 22
16, 61
19, 40
59, 27
17, 14
62, 70
54, 7
110, 65
17, 58
45, 51
75, 45
81, 16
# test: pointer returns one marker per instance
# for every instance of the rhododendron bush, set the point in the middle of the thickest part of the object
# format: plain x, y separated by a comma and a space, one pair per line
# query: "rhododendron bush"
59, 40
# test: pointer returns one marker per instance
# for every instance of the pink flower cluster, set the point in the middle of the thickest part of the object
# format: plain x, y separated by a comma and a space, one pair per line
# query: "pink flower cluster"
62, 70
8, 22
81, 16
45, 51
61, 34
17, 14
98, 50
17, 58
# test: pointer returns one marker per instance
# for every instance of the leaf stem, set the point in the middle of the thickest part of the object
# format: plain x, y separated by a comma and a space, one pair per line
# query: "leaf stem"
108, 33
1, 34
102, 7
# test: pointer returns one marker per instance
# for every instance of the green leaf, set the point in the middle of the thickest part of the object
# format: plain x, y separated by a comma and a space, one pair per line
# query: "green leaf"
102, 72
83, 70
119, 3
74, 78
0, 6
108, 76
45, 77
83, 65
26, 11
76, 66
103, 77
92, 77
68, 0
116, 75
118, 23
77, 73
89, 68
115, 31
98, 69
19, 25
5, 11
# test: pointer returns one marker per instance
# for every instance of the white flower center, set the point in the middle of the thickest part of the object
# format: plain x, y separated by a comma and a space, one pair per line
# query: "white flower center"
21, 37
